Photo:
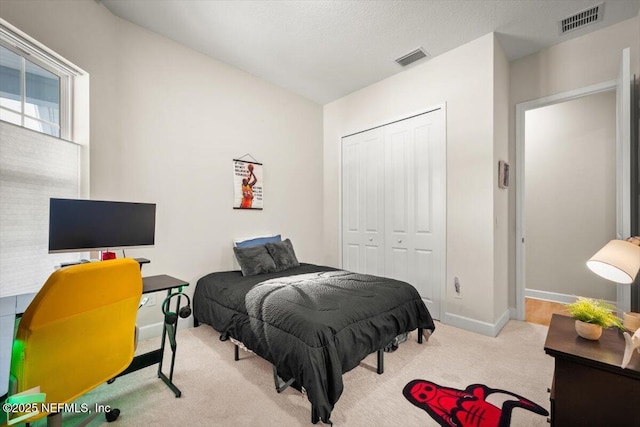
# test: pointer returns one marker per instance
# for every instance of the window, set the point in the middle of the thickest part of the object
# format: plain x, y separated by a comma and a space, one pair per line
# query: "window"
35, 88
37, 92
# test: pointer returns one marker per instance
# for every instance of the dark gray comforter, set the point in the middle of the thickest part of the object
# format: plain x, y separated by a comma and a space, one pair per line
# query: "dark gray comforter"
312, 323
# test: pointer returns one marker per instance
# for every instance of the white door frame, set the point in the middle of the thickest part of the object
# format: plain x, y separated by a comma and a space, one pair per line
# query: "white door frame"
521, 110
443, 243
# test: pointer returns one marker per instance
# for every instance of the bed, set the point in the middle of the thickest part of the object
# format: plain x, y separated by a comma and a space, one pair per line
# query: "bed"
312, 323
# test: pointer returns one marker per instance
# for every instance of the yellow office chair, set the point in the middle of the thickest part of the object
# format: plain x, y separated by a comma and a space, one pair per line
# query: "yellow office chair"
77, 333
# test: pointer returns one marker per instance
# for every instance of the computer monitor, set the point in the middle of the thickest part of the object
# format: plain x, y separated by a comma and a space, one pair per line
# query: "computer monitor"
79, 225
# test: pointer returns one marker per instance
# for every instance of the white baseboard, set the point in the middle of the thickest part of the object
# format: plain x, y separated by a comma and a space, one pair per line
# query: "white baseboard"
155, 329
555, 297
549, 296
484, 328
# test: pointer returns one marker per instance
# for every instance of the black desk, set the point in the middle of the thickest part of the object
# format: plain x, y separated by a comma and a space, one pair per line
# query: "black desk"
154, 284
589, 386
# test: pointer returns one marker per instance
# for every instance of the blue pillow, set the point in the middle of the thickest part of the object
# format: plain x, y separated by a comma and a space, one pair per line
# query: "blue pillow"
257, 241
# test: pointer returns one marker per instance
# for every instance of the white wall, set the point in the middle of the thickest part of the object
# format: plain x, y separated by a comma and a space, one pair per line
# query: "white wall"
167, 121
463, 78
500, 195
577, 63
570, 193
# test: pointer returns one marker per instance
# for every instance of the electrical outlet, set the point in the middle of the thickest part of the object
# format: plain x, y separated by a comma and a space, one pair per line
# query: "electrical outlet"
148, 300
457, 287
152, 300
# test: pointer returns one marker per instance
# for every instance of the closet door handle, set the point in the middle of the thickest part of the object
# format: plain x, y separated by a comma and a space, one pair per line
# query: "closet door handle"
399, 240
371, 239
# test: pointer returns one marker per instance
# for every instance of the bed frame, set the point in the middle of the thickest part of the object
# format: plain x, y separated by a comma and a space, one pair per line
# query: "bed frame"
279, 383
282, 385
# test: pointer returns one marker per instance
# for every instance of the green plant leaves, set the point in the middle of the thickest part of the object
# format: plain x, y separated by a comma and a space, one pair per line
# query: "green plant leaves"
594, 311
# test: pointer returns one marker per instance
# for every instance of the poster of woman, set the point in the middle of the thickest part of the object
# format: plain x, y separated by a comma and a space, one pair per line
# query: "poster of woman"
248, 184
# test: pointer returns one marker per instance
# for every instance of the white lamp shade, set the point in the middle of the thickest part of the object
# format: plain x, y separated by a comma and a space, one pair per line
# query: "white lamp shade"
618, 261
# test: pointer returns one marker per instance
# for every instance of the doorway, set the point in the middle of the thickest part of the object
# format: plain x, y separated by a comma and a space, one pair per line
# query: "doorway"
521, 185
569, 196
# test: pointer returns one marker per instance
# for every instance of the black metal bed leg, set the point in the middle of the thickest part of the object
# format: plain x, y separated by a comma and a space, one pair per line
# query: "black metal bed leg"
380, 362
236, 352
281, 385
314, 415
420, 330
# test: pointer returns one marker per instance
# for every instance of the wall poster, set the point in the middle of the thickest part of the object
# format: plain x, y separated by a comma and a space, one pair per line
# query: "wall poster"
248, 181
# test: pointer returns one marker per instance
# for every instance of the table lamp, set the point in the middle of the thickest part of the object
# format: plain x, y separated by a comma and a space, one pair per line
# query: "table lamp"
619, 261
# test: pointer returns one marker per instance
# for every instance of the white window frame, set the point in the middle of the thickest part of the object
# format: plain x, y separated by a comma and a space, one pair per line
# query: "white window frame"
30, 52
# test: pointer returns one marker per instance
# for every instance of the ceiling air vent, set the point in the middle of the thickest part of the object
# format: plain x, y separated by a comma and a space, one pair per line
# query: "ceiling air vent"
412, 57
588, 16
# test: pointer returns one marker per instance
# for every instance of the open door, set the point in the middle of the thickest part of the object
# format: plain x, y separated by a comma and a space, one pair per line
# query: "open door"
623, 165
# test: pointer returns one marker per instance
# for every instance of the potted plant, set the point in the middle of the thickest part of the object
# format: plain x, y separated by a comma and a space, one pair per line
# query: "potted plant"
591, 316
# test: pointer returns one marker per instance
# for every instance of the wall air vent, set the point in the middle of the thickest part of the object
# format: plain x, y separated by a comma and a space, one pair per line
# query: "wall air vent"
588, 16
412, 57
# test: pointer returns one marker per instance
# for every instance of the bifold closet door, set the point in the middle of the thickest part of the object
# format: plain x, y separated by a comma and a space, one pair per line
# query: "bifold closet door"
363, 202
393, 203
414, 152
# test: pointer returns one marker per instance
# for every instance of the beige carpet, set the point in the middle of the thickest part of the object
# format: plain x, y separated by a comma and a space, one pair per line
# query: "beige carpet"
217, 391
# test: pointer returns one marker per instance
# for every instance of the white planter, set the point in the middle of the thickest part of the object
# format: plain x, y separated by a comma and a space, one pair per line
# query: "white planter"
588, 331
631, 321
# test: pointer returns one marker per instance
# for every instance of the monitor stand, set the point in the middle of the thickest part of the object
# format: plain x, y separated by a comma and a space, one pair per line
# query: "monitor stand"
84, 261
68, 263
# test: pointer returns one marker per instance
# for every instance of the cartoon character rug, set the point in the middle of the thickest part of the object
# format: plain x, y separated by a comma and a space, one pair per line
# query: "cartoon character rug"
475, 406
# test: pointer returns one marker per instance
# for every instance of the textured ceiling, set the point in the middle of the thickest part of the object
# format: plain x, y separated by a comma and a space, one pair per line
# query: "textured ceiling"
324, 50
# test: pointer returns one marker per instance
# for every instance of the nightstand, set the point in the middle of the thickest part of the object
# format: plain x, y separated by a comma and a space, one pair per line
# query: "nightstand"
589, 387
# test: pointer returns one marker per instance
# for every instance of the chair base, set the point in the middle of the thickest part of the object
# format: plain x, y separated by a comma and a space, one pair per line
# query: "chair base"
55, 419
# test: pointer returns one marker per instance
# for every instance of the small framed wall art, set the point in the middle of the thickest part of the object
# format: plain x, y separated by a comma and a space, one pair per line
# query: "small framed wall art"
248, 182
503, 174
